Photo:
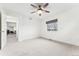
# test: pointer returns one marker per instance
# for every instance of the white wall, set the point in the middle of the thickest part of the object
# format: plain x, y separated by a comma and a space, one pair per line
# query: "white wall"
28, 28
11, 19
68, 27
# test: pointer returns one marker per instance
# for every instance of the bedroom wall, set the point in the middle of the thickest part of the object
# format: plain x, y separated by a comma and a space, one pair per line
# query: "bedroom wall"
28, 28
68, 27
11, 19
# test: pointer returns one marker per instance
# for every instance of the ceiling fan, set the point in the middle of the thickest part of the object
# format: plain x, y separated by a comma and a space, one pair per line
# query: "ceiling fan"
40, 7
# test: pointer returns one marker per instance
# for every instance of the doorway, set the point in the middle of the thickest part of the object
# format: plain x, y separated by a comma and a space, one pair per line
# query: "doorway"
11, 32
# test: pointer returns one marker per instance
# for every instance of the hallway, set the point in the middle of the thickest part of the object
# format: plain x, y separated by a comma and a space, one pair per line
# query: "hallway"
11, 38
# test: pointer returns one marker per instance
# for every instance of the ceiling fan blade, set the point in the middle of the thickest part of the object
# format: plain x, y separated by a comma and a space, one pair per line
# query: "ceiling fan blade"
45, 5
33, 12
47, 11
33, 6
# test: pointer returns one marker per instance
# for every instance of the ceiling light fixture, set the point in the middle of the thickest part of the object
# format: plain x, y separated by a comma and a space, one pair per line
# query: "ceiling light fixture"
39, 12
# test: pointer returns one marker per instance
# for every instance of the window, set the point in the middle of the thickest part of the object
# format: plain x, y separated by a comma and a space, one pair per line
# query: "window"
52, 25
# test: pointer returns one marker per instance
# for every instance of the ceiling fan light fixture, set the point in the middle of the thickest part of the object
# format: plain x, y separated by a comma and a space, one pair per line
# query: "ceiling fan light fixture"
39, 12
40, 8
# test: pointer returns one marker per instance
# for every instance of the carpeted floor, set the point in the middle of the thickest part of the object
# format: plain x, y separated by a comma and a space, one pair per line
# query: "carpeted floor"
38, 47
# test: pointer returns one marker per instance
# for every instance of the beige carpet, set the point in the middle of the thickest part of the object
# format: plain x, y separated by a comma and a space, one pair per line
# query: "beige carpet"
38, 47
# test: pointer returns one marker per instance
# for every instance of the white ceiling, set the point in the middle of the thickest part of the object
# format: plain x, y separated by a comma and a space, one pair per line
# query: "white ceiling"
25, 8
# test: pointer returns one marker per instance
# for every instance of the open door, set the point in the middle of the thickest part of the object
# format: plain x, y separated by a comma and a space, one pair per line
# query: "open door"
0, 30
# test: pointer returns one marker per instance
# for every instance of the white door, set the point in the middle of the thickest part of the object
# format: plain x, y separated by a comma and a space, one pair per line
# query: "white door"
2, 30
